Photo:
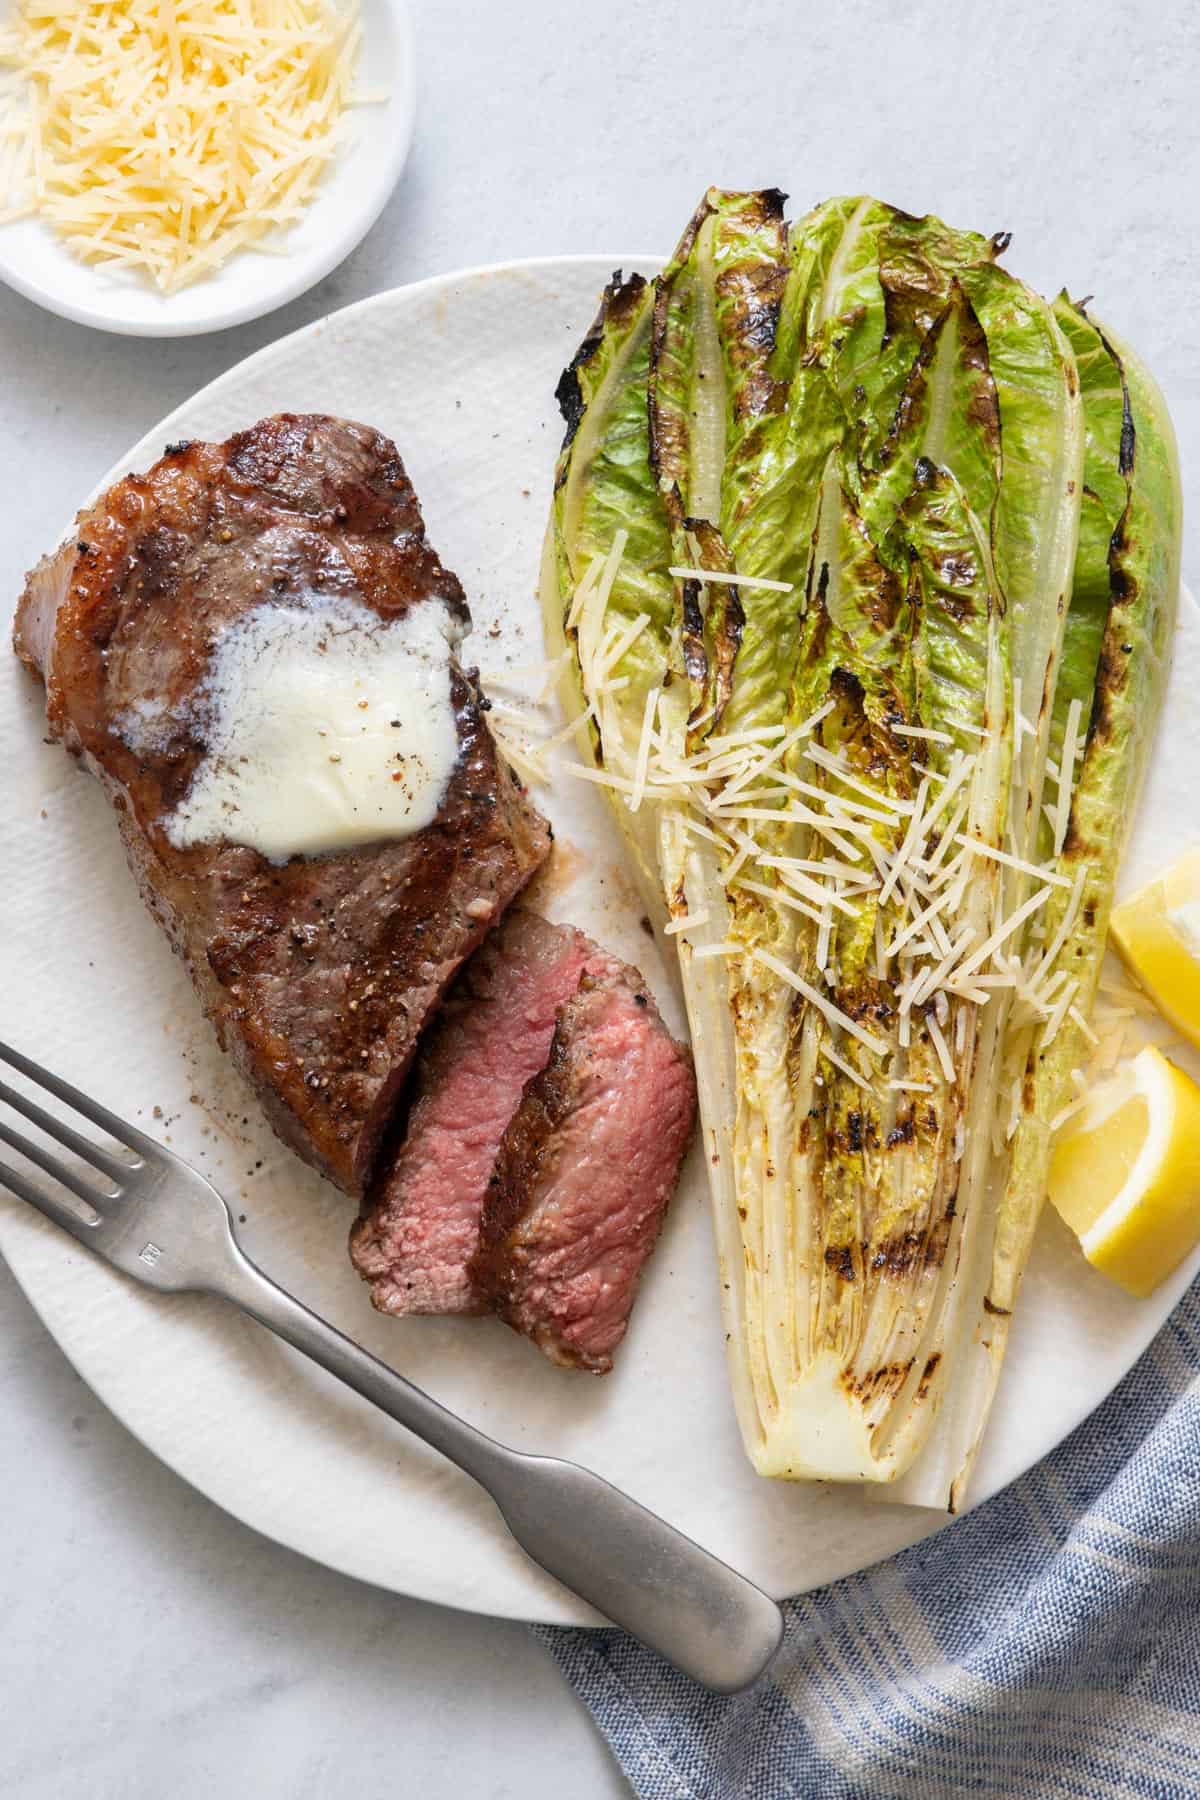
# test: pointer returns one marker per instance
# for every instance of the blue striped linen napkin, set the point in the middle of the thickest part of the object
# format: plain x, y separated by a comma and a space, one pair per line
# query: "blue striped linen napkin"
1047, 1644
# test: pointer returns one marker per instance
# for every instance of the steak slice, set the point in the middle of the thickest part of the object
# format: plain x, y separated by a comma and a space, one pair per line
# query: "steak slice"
421, 1226
317, 970
584, 1173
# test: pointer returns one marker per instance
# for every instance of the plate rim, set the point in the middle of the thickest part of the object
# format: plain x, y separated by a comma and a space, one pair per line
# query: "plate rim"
1155, 1316
401, 104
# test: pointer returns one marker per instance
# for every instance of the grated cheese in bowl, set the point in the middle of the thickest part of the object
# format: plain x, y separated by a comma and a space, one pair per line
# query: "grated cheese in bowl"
165, 135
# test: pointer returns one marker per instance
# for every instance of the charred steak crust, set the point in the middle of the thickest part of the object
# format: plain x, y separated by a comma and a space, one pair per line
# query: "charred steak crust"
585, 1173
319, 973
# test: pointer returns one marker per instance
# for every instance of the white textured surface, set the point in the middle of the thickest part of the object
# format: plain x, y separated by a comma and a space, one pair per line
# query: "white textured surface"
197, 1658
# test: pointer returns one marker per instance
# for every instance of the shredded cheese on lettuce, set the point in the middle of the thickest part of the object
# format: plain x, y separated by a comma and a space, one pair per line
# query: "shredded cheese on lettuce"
716, 793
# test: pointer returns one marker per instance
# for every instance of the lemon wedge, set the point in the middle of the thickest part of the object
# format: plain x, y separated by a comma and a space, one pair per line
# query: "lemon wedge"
1157, 932
1125, 1172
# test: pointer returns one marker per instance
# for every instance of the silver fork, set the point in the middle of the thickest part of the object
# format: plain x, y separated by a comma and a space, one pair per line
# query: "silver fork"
150, 1215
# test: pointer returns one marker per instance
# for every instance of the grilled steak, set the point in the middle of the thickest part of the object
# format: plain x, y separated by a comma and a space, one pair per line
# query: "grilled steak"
421, 1226
584, 1173
318, 970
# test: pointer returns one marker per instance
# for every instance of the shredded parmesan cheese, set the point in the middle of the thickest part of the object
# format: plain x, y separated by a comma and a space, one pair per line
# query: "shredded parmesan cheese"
601, 573
1126, 996
1074, 1014
941, 1046
839, 1062
1062, 812
826, 1008
164, 135
1002, 934
702, 831
823, 935
1061, 1007
1064, 931
643, 755
921, 731
762, 734
960, 1032
622, 641
686, 922
1012, 862
836, 766
908, 848
728, 579
1068, 1112
780, 898
776, 754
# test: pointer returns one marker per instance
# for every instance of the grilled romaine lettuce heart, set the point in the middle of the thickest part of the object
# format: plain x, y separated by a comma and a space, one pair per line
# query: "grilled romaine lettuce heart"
866, 557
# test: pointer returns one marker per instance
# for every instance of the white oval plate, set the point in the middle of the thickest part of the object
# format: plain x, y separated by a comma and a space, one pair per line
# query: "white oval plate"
348, 201
460, 371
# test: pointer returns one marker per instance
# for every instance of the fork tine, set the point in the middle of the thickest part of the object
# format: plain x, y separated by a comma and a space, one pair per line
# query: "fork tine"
85, 1148
54, 1208
58, 1170
124, 1133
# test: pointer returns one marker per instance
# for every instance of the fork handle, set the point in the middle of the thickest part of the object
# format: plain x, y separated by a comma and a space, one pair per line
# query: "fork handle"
629, 1564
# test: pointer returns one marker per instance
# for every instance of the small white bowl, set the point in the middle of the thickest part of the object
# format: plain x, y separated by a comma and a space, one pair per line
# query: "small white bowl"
348, 201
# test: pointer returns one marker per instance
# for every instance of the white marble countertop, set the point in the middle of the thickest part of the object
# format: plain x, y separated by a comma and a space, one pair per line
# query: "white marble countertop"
154, 1649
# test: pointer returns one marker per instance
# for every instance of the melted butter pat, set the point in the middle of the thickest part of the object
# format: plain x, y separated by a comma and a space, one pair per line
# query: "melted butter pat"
325, 727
